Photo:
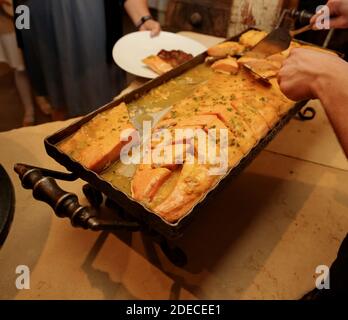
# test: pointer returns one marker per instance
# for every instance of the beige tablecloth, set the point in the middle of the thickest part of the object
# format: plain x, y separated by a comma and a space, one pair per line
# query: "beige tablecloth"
262, 237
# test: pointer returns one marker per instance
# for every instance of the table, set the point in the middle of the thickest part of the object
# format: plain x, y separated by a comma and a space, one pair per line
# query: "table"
287, 214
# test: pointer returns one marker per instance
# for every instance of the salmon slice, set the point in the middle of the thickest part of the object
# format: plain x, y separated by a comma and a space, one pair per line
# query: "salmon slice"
269, 115
184, 108
267, 96
237, 145
293, 45
280, 101
99, 157
166, 124
234, 156
252, 37
228, 48
272, 99
195, 122
98, 143
227, 66
194, 181
267, 107
147, 181
157, 64
211, 123
264, 106
277, 57
202, 121
254, 120
212, 131
171, 156
166, 189
241, 132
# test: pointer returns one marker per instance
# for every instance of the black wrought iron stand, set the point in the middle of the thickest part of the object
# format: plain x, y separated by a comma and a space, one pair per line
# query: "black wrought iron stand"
66, 205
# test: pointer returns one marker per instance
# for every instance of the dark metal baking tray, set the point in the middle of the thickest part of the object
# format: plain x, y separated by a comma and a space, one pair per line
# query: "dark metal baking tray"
141, 214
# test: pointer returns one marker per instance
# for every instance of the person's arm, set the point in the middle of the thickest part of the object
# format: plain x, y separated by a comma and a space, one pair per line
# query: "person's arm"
310, 74
338, 12
137, 9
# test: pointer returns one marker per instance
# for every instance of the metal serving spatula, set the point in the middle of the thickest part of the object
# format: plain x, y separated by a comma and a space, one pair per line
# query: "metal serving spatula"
276, 41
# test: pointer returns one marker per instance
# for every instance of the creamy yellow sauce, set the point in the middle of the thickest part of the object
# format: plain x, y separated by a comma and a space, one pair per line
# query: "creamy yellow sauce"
120, 175
166, 188
174, 90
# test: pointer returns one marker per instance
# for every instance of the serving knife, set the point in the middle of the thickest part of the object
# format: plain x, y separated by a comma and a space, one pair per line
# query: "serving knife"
138, 115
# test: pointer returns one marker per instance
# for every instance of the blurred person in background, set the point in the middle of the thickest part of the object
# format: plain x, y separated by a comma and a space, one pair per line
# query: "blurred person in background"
68, 50
11, 55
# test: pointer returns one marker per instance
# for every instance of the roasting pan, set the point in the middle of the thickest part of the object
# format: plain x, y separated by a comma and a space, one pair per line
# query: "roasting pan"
66, 204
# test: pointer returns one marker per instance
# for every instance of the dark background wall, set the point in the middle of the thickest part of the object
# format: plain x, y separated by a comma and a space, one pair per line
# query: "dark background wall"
340, 39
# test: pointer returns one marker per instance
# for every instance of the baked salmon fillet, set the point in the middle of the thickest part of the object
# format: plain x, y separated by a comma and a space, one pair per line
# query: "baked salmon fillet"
244, 86
235, 150
226, 102
224, 49
212, 124
228, 66
157, 64
243, 137
146, 182
98, 143
193, 182
251, 38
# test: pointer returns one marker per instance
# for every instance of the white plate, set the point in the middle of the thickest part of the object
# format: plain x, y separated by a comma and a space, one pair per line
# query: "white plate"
131, 49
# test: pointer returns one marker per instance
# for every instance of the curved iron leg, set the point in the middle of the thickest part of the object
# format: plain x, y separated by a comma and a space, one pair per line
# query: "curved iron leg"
306, 114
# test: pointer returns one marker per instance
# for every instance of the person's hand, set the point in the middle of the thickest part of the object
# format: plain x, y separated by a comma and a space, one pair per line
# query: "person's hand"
151, 25
338, 13
139, 8
311, 74
307, 73
5, 2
